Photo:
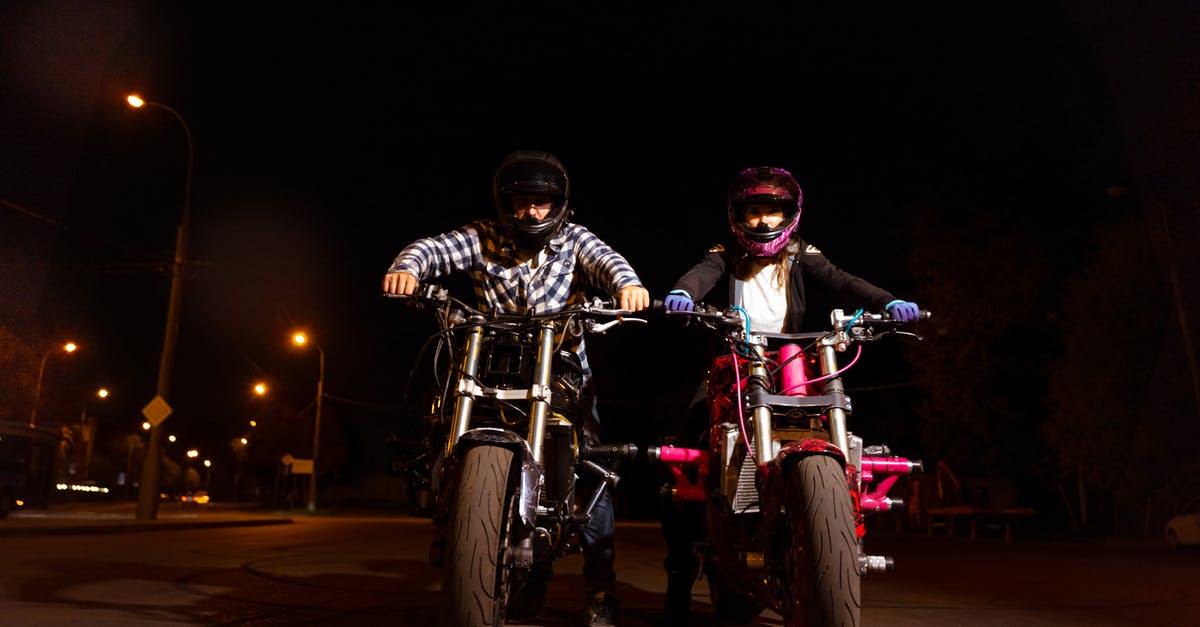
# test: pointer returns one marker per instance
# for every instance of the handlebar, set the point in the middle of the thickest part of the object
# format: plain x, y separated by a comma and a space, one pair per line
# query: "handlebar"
859, 326
456, 311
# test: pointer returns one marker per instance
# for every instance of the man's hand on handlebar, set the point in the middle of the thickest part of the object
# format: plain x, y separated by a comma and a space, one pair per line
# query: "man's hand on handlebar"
401, 283
632, 298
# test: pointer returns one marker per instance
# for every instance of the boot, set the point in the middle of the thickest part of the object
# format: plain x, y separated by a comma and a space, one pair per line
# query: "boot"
677, 608
602, 610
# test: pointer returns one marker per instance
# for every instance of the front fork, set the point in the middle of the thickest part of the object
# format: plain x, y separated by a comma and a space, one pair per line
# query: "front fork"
530, 451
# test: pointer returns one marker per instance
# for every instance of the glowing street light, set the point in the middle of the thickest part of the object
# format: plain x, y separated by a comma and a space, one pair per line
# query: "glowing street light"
69, 347
260, 388
88, 435
300, 339
148, 496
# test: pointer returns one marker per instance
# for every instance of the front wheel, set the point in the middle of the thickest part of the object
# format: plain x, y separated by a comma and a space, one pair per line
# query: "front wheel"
473, 585
826, 587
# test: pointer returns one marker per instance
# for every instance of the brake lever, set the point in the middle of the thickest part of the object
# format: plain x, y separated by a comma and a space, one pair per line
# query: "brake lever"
601, 327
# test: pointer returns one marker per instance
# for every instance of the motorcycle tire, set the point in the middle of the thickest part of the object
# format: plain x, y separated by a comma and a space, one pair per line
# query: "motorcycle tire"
473, 585
827, 587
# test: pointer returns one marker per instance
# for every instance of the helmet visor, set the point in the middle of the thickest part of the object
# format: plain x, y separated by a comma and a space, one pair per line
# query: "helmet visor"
532, 177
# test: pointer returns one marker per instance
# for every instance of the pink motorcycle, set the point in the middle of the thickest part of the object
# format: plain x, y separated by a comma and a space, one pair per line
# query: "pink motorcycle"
786, 483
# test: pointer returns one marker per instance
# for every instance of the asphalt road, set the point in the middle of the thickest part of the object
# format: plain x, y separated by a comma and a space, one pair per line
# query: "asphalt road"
366, 569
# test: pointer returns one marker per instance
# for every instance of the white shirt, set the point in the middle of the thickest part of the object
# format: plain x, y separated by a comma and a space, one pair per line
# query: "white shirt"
764, 300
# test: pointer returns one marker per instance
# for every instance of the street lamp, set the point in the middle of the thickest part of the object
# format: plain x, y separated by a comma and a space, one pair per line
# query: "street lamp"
85, 436
148, 494
300, 339
134, 441
37, 394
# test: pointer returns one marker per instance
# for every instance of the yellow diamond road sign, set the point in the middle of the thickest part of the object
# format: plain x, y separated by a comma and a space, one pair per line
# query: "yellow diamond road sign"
156, 410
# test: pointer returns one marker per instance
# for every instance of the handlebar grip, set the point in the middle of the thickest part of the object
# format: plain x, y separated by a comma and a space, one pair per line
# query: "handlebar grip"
608, 451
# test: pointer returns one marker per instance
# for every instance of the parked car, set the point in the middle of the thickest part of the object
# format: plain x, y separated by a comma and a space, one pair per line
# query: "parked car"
199, 497
1184, 529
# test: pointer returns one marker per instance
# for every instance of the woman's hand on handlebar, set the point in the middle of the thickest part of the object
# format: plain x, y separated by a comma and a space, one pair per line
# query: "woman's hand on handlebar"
678, 300
633, 298
402, 283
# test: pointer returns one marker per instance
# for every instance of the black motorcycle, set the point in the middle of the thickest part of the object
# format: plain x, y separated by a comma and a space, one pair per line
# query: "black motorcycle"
506, 504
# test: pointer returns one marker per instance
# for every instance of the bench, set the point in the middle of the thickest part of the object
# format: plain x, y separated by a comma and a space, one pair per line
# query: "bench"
974, 514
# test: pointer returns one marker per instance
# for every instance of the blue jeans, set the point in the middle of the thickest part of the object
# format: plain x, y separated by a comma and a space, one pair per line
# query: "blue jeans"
596, 538
599, 551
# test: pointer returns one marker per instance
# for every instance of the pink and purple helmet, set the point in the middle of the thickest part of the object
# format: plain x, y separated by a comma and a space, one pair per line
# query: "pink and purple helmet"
764, 185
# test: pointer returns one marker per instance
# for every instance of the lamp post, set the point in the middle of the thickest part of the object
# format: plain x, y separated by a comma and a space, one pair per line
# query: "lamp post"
147, 508
134, 441
85, 436
37, 393
301, 339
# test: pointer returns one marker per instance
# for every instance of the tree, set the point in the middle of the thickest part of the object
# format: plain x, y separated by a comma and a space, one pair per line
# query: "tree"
18, 373
1111, 421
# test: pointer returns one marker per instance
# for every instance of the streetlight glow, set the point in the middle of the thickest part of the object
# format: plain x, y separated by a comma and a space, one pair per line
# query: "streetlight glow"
148, 496
260, 388
300, 339
69, 347
87, 433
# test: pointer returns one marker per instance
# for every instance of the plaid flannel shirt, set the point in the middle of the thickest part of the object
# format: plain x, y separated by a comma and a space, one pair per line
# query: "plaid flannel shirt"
505, 285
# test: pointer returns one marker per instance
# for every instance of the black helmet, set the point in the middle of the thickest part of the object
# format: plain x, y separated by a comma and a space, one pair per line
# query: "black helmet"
531, 172
764, 185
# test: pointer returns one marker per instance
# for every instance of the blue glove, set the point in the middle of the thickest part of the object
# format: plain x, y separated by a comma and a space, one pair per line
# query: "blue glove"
903, 310
678, 300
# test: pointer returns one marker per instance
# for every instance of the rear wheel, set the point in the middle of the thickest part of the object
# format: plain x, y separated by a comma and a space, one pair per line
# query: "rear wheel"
528, 594
731, 605
473, 586
826, 588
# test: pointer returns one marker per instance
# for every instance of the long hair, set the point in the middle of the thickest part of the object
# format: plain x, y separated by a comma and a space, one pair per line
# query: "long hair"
747, 265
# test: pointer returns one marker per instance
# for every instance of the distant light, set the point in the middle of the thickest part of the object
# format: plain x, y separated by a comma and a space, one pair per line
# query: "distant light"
208, 463
170, 438
135, 101
245, 441
76, 487
102, 393
70, 347
146, 426
193, 453
260, 388
299, 339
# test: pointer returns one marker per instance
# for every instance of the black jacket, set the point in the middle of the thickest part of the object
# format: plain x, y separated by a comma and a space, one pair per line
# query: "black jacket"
808, 261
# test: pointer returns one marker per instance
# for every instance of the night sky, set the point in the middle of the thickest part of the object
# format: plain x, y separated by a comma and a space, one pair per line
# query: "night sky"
328, 138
